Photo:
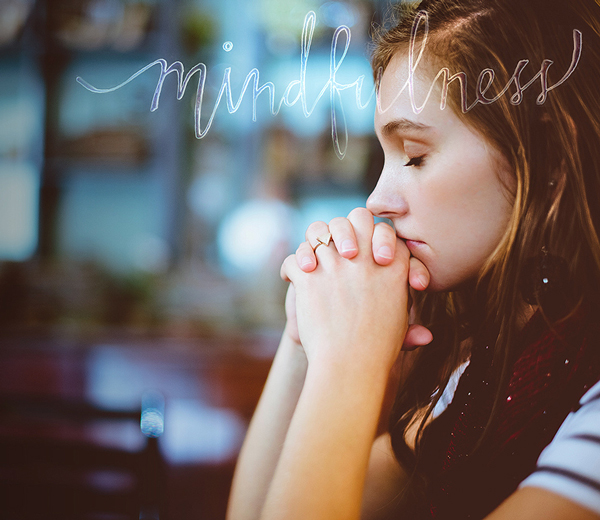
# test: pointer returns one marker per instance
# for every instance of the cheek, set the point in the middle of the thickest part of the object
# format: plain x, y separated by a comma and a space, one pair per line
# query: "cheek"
474, 194
450, 202
468, 216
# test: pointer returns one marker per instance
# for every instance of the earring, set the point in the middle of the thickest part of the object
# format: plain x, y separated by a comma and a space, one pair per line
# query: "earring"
545, 283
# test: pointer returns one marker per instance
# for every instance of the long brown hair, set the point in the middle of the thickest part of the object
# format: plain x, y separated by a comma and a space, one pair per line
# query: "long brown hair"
553, 149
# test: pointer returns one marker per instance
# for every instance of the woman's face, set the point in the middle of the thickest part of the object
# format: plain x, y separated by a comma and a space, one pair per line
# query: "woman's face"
443, 185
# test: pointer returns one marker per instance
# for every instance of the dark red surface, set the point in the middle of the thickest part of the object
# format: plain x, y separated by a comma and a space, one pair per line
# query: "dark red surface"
47, 416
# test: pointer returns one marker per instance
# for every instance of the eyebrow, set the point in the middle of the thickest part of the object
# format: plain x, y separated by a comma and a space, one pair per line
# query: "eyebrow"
402, 125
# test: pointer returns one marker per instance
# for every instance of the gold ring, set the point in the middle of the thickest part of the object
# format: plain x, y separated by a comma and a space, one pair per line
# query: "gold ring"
323, 240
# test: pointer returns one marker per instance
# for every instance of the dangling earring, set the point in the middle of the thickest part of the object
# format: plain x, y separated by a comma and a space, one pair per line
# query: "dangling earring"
545, 282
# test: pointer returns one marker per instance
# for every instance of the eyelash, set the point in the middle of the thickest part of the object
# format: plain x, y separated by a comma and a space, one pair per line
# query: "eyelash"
416, 161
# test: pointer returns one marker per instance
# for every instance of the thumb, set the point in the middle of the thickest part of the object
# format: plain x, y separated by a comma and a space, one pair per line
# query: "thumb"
417, 336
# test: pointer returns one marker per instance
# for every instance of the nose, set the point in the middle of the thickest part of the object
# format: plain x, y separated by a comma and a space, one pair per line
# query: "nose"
387, 199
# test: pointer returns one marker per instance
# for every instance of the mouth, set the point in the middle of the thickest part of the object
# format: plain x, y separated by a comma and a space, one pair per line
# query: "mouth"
412, 245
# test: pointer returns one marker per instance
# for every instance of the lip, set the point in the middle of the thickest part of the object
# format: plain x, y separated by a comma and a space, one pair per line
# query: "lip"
412, 244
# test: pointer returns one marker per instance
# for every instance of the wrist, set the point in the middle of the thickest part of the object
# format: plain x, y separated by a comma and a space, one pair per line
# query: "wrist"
367, 361
349, 379
292, 353
291, 332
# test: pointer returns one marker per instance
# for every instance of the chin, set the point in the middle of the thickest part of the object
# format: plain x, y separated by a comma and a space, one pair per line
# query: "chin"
434, 287
438, 283
445, 277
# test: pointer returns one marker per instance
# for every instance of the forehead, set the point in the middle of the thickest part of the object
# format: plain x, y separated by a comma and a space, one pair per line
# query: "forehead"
412, 97
395, 112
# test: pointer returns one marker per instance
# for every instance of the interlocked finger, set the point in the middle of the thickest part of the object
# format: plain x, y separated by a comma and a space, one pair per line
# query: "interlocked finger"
315, 230
316, 235
419, 275
322, 240
344, 237
384, 243
363, 224
289, 269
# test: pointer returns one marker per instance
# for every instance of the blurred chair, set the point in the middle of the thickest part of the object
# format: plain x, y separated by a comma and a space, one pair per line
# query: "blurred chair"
71, 460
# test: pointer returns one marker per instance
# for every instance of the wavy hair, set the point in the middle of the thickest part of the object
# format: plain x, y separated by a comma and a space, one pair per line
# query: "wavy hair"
553, 149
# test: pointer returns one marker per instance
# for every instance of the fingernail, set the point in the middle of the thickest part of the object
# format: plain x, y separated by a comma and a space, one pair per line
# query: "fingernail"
385, 252
422, 280
348, 245
306, 261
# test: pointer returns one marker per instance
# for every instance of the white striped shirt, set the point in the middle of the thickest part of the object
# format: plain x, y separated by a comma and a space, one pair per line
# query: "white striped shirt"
570, 465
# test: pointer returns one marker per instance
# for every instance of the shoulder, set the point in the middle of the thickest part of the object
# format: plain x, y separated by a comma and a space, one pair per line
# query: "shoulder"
570, 464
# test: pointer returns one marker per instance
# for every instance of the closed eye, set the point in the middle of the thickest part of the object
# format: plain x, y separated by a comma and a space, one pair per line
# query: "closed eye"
415, 161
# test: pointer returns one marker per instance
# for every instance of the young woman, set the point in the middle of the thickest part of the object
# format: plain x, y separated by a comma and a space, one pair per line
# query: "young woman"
489, 118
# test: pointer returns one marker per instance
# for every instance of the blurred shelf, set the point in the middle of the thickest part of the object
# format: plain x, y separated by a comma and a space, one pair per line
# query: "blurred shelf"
104, 148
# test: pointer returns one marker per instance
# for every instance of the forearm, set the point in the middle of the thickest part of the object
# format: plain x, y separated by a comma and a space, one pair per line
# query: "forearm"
268, 428
384, 482
321, 471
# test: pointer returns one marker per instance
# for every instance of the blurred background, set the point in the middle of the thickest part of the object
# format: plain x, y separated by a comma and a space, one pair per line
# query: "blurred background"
140, 299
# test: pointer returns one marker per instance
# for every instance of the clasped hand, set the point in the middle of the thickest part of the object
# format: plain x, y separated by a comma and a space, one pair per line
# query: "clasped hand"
349, 302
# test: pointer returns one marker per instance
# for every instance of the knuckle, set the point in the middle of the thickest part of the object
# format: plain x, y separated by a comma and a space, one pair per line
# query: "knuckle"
384, 227
363, 222
338, 223
289, 259
384, 232
361, 213
283, 271
315, 227
303, 247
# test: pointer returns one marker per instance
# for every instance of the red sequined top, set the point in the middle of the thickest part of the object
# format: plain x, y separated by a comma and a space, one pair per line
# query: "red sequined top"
553, 370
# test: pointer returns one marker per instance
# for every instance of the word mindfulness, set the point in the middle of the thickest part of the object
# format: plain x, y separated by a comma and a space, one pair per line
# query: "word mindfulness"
295, 91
